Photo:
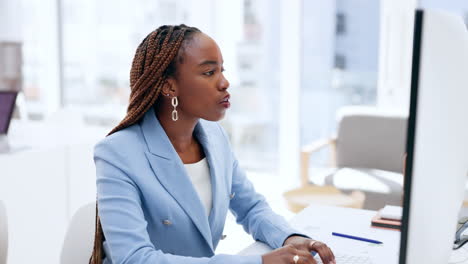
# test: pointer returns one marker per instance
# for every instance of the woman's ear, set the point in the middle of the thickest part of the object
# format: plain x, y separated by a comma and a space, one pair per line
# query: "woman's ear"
169, 87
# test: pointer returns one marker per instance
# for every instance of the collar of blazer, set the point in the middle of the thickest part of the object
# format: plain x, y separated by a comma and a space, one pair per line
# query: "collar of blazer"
170, 171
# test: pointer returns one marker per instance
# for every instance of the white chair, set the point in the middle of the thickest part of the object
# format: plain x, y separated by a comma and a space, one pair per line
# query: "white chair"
3, 234
368, 153
78, 244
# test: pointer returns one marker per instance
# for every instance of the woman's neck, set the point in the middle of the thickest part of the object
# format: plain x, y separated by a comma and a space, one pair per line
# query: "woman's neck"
180, 132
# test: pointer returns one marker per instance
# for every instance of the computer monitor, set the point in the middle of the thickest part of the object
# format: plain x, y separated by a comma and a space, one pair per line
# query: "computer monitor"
437, 139
7, 104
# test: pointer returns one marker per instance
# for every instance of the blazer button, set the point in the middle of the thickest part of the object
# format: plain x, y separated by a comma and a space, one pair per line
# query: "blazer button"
232, 195
223, 237
167, 222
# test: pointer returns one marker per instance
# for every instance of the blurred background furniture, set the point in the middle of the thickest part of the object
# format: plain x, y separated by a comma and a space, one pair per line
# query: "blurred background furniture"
300, 198
367, 153
78, 243
3, 234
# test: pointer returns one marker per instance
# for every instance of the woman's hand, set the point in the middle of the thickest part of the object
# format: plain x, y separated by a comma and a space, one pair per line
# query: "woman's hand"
306, 244
286, 254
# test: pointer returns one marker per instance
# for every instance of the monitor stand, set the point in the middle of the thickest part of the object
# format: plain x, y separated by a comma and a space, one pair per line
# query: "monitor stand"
4, 145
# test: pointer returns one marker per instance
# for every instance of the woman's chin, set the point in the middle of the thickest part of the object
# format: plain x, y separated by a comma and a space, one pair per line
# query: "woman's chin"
215, 118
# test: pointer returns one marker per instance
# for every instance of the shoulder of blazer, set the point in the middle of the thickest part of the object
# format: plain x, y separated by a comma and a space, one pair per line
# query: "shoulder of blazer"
120, 144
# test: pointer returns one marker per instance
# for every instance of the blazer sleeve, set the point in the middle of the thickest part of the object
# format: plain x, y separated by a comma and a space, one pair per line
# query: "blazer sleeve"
255, 215
124, 224
253, 212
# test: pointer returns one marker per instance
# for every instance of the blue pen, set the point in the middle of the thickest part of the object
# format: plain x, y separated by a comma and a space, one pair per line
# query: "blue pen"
357, 238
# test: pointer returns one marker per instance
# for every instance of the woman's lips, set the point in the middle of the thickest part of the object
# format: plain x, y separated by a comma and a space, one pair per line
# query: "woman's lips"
225, 102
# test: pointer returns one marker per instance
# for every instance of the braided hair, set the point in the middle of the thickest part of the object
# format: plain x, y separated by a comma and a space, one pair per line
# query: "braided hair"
155, 60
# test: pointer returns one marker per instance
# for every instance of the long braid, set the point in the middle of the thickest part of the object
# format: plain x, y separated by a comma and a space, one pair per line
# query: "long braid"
154, 61
149, 73
159, 68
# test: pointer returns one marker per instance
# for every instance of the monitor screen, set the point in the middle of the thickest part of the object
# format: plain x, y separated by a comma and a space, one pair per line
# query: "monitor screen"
7, 103
437, 139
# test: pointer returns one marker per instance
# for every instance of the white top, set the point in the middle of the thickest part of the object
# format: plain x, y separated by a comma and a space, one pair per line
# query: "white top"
199, 174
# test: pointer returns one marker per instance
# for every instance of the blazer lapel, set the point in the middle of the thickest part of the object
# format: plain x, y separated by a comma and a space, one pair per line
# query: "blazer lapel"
218, 179
170, 171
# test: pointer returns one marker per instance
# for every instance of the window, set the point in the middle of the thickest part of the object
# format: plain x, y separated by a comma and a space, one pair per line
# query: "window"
340, 24
100, 39
41, 77
340, 62
339, 68
466, 19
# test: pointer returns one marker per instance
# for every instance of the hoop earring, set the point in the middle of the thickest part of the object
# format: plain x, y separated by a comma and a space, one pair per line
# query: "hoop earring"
175, 103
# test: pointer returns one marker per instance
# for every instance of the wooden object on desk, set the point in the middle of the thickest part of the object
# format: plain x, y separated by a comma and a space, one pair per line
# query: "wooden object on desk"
380, 222
300, 198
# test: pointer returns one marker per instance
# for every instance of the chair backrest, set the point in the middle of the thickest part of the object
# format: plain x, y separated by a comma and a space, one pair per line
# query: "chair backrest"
3, 234
78, 244
368, 137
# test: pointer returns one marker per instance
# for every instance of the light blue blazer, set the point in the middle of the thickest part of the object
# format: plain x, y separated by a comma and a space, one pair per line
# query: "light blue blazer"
150, 211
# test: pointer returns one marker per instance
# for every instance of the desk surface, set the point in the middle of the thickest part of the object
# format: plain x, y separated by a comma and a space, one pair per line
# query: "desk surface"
319, 222
51, 166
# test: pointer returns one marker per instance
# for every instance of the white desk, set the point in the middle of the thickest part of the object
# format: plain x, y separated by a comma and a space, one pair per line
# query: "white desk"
47, 176
319, 222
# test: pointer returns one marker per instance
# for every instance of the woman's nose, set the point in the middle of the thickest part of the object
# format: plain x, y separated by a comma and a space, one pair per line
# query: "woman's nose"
223, 83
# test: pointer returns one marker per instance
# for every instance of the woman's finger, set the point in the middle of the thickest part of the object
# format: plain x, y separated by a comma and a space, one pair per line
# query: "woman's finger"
306, 258
324, 252
332, 255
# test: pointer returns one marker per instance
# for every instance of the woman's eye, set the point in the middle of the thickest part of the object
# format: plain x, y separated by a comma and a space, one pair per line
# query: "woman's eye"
209, 73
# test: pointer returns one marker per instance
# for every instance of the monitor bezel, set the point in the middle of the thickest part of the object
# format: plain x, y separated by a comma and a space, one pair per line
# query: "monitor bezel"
411, 132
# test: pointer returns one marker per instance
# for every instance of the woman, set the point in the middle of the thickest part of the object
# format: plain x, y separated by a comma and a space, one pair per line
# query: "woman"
166, 175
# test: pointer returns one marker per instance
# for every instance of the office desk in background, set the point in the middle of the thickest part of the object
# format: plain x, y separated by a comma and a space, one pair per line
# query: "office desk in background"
46, 177
319, 222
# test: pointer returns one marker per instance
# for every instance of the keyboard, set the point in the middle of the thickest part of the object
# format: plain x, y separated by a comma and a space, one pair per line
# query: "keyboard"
347, 259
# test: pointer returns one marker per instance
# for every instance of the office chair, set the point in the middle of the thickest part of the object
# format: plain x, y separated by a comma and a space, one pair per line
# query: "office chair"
367, 152
78, 243
3, 234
